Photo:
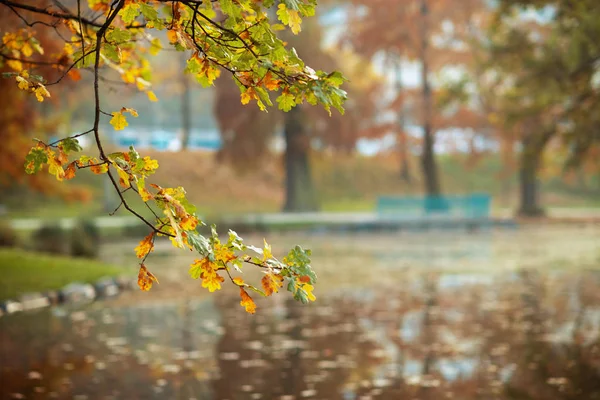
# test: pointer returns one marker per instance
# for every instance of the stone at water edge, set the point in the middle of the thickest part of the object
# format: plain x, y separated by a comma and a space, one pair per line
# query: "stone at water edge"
77, 292
106, 287
10, 306
32, 301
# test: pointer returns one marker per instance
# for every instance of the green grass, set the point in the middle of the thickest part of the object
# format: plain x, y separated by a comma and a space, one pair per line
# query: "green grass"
22, 271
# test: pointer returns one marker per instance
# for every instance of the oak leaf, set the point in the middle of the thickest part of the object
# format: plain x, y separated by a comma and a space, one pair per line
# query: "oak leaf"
145, 278
247, 302
271, 283
145, 246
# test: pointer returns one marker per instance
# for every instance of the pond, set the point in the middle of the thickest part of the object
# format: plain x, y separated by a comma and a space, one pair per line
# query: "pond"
487, 315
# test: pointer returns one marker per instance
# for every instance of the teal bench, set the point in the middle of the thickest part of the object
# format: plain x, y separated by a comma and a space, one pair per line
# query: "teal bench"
461, 206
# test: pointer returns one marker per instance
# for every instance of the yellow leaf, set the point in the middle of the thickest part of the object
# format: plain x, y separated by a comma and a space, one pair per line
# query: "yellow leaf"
26, 50
212, 281
308, 288
271, 283
238, 281
247, 302
150, 165
223, 254
55, 167
118, 121
145, 278
295, 21
151, 95
14, 64
124, 177
267, 251
145, 246
68, 49
155, 46
41, 92
130, 111
172, 36
189, 223
248, 95
22, 83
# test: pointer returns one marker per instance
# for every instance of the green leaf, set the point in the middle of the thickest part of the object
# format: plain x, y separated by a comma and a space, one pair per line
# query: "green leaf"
198, 242
118, 36
286, 101
149, 12
195, 271
193, 66
70, 145
35, 159
112, 52
130, 12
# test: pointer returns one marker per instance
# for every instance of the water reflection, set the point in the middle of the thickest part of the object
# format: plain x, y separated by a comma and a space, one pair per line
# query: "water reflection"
524, 335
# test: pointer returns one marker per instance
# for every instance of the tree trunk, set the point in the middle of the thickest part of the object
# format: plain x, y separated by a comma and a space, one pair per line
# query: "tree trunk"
401, 140
428, 163
299, 189
186, 112
528, 181
530, 159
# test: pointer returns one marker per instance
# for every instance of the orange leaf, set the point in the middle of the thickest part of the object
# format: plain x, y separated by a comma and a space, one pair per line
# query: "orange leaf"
247, 302
271, 283
74, 74
271, 83
145, 246
70, 171
99, 169
145, 278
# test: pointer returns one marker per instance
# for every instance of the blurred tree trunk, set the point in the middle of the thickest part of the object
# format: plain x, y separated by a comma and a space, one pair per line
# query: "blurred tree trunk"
428, 164
401, 140
299, 189
528, 199
186, 112
531, 155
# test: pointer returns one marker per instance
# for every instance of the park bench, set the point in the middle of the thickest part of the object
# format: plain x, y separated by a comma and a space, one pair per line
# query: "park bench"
471, 206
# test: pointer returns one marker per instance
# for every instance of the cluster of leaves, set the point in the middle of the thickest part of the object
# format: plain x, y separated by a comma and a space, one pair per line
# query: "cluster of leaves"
225, 35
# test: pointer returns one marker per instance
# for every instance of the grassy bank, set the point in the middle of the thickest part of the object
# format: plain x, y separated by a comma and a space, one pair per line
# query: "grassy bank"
22, 271
343, 183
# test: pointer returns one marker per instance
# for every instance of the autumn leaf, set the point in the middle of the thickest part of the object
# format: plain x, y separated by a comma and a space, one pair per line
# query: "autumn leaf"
22, 83
145, 246
247, 302
189, 223
269, 82
131, 111
118, 121
238, 281
124, 177
207, 271
267, 251
99, 169
41, 92
271, 283
151, 95
248, 95
223, 254
145, 278
70, 171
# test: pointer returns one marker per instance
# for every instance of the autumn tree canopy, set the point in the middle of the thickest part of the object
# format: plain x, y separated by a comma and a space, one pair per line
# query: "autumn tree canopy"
104, 37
